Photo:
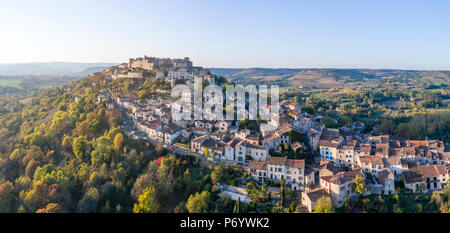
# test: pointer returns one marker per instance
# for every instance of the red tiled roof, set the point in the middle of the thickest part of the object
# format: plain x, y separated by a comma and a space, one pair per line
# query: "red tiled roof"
257, 165
373, 160
295, 163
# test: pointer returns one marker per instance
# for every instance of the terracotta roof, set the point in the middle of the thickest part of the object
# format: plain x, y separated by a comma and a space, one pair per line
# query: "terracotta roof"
393, 160
199, 129
316, 194
325, 143
285, 128
417, 174
252, 138
411, 177
295, 163
344, 177
155, 126
329, 166
232, 143
384, 174
364, 148
250, 145
270, 137
199, 139
277, 160
373, 160
257, 165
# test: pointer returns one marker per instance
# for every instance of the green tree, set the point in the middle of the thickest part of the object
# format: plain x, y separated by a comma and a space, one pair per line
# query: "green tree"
292, 207
397, 208
237, 206
387, 126
359, 185
281, 191
181, 208
199, 202
219, 174
147, 202
324, 205
67, 143
79, 147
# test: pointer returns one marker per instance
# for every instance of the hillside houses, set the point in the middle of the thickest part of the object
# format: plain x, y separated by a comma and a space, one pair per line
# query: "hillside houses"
229, 148
310, 198
426, 178
340, 185
293, 171
267, 148
421, 164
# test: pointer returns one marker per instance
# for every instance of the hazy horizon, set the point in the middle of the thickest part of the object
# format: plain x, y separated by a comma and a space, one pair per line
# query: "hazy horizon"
407, 35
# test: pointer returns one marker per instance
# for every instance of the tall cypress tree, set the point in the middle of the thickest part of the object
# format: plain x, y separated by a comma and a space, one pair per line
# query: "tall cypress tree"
237, 206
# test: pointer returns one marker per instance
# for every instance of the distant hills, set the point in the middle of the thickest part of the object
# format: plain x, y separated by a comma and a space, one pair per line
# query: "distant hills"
330, 78
53, 68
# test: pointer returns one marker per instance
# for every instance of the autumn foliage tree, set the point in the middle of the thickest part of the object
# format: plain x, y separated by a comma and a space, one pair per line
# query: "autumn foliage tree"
324, 205
147, 202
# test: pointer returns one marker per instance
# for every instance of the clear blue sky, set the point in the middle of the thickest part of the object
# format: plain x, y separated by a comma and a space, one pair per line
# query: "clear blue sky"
231, 33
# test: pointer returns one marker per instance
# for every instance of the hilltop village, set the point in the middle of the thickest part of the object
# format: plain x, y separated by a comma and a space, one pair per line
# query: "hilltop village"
301, 152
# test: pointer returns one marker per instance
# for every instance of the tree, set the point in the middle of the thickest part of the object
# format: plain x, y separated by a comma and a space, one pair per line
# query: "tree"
83, 128
79, 147
237, 206
359, 185
281, 191
324, 205
159, 149
199, 202
347, 203
118, 141
51, 208
397, 208
387, 126
147, 202
408, 131
292, 207
89, 202
114, 118
329, 122
181, 208
104, 152
367, 204
436, 198
67, 143
219, 174
419, 208
7, 199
